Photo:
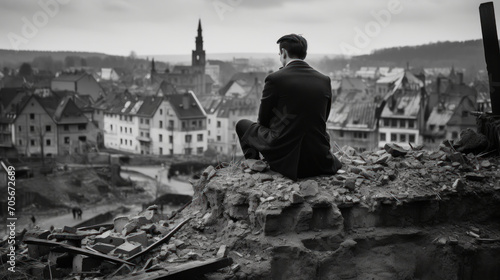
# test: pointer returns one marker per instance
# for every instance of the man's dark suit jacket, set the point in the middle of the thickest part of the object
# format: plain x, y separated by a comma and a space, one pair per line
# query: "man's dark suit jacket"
291, 130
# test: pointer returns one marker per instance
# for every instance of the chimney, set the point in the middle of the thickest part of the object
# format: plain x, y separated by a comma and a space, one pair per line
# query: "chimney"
460, 78
185, 101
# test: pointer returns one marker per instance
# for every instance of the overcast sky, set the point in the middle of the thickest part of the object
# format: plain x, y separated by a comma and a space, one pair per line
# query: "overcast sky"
169, 26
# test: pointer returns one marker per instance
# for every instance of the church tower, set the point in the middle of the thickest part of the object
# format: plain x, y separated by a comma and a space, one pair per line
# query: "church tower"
198, 57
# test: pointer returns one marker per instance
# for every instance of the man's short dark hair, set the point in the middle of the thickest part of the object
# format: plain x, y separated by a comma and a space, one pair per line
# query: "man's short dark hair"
294, 44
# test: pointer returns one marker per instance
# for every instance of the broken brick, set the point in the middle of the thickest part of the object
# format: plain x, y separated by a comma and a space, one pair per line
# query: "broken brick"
128, 249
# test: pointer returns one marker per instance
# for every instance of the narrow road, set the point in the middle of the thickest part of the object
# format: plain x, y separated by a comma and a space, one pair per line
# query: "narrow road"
150, 173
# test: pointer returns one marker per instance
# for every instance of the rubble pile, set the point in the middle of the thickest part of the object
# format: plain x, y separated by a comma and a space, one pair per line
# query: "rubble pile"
248, 222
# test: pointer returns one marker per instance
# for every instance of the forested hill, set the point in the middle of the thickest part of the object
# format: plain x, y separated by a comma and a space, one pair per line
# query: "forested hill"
15, 58
466, 54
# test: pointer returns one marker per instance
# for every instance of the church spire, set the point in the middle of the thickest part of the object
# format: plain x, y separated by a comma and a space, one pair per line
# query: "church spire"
198, 56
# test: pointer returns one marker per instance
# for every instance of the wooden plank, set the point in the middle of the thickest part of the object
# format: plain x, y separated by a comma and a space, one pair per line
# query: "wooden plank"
97, 227
60, 247
491, 53
166, 238
185, 271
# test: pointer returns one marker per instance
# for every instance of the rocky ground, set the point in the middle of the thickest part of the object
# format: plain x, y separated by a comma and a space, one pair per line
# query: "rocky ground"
390, 214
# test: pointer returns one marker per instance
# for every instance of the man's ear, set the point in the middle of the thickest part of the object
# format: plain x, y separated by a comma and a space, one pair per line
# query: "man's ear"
285, 53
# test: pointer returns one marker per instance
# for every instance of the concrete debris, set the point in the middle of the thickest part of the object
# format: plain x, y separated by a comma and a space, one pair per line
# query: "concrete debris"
395, 150
273, 226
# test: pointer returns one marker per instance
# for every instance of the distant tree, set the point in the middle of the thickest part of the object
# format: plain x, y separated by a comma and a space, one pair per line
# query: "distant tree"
69, 61
132, 55
25, 70
43, 63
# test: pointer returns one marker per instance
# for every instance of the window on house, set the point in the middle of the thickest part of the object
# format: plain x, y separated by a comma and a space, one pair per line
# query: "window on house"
432, 127
386, 122
218, 124
234, 136
32, 128
111, 127
170, 139
183, 124
47, 142
441, 128
120, 117
66, 127
208, 132
48, 128
32, 116
147, 121
121, 141
200, 123
19, 128
402, 138
147, 134
160, 137
411, 138
219, 138
142, 120
121, 129
193, 123
161, 151
20, 142
130, 130
161, 124
411, 123
187, 138
32, 142
382, 136
200, 137
394, 137
465, 114
188, 151
82, 126
199, 150
66, 140
171, 124
208, 121
341, 134
126, 141
394, 123
161, 111
402, 123
142, 134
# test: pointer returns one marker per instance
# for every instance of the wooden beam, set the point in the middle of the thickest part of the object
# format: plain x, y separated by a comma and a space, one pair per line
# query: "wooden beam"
491, 53
61, 247
166, 238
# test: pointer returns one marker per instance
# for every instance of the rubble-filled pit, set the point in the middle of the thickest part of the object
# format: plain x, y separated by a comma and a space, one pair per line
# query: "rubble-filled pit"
418, 215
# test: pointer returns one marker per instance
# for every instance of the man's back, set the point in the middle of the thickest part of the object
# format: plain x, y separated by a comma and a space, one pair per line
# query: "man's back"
291, 131
293, 114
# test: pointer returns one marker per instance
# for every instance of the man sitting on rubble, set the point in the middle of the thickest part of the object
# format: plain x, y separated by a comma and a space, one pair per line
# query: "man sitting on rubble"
291, 128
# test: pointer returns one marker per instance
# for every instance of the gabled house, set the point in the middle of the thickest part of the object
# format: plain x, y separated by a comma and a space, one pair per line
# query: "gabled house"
81, 83
161, 125
450, 104
109, 74
353, 124
403, 115
51, 126
179, 126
